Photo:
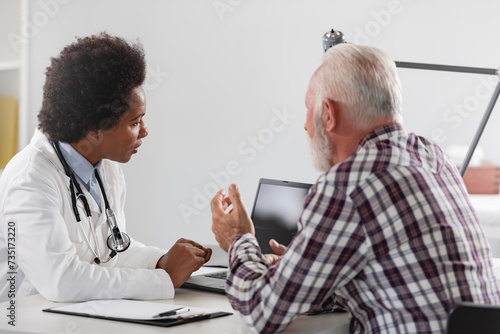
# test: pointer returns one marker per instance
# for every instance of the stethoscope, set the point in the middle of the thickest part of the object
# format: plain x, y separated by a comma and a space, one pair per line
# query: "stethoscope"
117, 241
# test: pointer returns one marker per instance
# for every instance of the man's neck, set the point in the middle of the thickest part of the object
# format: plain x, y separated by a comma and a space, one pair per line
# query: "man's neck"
345, 143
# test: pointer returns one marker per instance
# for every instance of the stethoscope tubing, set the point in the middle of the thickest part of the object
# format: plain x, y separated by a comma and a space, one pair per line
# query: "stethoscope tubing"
117, 241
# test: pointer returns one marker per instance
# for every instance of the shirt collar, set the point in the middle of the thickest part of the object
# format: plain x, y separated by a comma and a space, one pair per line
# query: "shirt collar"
78, 164
384, 132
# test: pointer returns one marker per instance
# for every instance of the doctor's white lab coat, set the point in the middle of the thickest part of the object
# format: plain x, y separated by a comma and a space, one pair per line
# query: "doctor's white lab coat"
51, 254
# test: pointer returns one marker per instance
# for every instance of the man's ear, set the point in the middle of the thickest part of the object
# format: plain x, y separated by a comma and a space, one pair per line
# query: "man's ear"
329, 116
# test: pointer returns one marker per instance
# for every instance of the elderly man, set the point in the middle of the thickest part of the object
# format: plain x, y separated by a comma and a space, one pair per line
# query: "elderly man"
387, 231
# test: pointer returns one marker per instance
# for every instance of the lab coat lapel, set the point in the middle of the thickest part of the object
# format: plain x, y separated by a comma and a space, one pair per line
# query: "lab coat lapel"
109, 188
94, 209
95, 227
102, 232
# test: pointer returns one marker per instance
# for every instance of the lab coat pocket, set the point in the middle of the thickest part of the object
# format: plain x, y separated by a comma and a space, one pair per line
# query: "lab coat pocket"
75, 233
76, 237
82, 248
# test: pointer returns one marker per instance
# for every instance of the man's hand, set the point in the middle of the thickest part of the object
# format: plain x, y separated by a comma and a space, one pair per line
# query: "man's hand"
182, 259
226, 226
279, 249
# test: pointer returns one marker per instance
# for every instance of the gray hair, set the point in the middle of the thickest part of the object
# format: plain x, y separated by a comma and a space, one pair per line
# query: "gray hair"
363, 80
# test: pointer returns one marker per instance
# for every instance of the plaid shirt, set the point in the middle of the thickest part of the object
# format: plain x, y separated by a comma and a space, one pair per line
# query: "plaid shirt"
389, 233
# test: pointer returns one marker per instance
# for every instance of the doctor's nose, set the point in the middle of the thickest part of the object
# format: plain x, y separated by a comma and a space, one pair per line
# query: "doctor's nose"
143, 132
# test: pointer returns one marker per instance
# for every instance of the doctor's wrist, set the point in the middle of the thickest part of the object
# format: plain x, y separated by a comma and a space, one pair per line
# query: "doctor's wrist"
160, 263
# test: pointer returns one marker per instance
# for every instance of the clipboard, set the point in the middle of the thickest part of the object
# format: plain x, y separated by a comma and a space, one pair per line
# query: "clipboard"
135, 311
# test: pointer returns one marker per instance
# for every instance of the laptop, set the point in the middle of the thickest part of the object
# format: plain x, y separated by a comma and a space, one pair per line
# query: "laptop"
277, 207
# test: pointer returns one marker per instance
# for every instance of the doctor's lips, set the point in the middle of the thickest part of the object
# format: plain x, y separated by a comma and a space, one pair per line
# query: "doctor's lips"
134, 150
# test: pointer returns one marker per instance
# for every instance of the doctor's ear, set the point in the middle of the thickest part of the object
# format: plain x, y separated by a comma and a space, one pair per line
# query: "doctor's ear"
93, 135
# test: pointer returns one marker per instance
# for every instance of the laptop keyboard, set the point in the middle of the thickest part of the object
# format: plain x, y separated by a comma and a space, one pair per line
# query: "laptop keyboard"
219, 275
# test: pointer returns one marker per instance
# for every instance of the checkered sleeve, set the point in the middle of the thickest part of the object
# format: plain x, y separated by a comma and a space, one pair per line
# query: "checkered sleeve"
320, 259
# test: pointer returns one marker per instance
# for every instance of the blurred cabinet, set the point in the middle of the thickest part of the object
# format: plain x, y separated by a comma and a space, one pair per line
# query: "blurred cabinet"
13, 73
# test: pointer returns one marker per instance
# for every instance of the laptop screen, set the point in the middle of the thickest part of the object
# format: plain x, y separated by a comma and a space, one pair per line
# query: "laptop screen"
276, 211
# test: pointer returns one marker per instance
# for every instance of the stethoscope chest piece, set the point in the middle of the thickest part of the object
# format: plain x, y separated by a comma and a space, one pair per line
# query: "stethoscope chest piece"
120, 243
117, 240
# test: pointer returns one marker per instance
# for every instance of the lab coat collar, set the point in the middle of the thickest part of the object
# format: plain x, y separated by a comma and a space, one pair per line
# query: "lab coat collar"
42, 143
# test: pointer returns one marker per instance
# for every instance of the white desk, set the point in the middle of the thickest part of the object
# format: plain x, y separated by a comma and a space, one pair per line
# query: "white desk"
31, 319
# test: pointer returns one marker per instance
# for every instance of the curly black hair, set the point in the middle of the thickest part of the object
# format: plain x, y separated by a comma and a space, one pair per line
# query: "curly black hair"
89, 86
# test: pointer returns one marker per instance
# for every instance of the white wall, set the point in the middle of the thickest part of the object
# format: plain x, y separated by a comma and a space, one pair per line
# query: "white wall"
220, 72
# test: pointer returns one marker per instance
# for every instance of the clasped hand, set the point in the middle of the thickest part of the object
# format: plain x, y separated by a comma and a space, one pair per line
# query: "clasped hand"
182, 259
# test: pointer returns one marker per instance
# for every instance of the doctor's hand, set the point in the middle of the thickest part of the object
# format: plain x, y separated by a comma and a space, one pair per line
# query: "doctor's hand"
277, 248
182, 259
226, 226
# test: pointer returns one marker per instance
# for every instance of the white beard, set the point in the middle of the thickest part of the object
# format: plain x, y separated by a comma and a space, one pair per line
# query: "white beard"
321, 151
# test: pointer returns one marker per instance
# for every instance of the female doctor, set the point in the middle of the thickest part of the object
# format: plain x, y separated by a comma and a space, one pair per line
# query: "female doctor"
62, 198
